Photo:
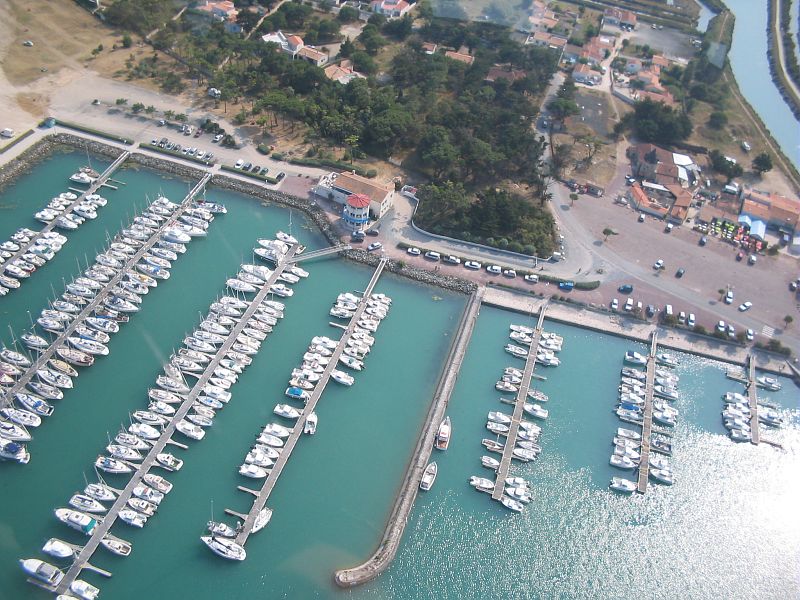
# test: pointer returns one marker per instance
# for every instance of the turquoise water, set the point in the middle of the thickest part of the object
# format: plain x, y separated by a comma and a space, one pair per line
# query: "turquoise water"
334, 496
575, 540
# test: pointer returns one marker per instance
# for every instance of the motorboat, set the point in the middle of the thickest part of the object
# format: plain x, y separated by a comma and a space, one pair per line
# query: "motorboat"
145, 492
635, 358
768, 383
99, 491
176, 235
524, 454
169, 462
58, 548
281, 290
662, 476
482, 484
117, 546
217, 393
490, 463
158, 483
286, 411
622, 485
132, 518
268, 451
224, 547
217, 528
667, 359
201, 417
258, 458
622, 462
310, 426
190, 430
278, 430
302, 383
241, 286
144, 431
428, 477
536, 411
42, 571
351, 362
252, 471
209, 402
142, 506
497, 428
20, 416
521, 494
492, 445
505, 386
77, 520
295, 393
112, 465
516, 351
14, 451
270, 440
86, 503
443, 434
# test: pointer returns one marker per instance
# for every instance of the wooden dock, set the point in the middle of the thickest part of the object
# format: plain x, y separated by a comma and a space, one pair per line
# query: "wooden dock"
41, 360
752, 397
522, 397
23, 248
275, 473
158, 446
647, 419
320, 253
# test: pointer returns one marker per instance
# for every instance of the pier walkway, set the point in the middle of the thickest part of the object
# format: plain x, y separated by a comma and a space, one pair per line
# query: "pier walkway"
752, 397
647, 417
320, 253
101, 295
516, 418
158, 446
393, 533
23, 248
297, 431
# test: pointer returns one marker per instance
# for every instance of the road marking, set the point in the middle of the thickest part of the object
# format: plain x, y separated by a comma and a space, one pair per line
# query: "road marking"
767, 331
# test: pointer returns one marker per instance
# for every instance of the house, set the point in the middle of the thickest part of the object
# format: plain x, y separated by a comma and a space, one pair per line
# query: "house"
633, 66
651, 162
660, 62
290, 45
312, 55
429, 48
670, 202
584, 74
343, 72
461, 57
497, 72
619, 17
222, 11
681, 203
777, 212
571, 53
664, 96
391, 9
546, 40
339, 186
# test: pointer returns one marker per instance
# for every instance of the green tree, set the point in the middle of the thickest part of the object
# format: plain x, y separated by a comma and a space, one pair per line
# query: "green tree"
438, 151
247, 20
348, 14
608, 232
347, 48
181, 118
717, 120
788, 320
137, 107
169, 114
127, 42
561, 108
121, 101
658, 123
150, 109
762, 163
572, 198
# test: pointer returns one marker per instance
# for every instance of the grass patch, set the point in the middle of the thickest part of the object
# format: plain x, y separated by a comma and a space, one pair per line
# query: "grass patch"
97, 132
178, 154
13, 143
259, 176
333, 164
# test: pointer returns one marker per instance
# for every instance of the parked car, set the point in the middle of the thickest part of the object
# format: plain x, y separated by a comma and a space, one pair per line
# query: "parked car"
658, 265
703, 240
729, 297
682, 318
650, 311
721, 326
413, 251
494, 269
679, 273
614, 304
452, 260
510, 273
247, 166
357, 237
641, 217
625, 289
374, 246
752, 259
630, 180
431, 255
280, 176
217, 137
473, 265
629, 304
731, 331
566, 286
691, 320
750, 335
532, 278
744, 306
668, 228
239, 164
374, 232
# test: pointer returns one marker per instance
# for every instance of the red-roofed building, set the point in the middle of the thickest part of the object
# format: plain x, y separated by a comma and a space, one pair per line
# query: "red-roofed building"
356, 211
619, 17
504, 72
391, 9
460, 57
339, 187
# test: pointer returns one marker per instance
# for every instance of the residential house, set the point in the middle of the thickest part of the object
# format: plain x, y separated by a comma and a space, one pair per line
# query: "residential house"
343, 72
497, 72
664, 96
670, 202
571, 53
391, 9
223, 11
657, 164
429, 48
291, 44
619, 17
585, 74
633, 66
312, 55
460, 56
547, 40
339, 186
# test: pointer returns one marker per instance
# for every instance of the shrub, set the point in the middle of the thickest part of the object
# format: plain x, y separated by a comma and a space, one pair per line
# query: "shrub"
277, 155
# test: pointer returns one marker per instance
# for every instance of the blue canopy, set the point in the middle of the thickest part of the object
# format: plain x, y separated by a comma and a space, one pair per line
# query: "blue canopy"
757, 227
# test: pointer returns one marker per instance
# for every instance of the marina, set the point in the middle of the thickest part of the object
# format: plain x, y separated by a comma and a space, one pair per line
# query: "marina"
752, 396
165, 437
647, 418
262, 496
522, 397
99, 298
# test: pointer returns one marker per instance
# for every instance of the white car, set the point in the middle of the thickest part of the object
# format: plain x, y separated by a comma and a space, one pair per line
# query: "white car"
494, 269
721, 326
218, 137
691, 321
750, 335
431, 255
744, 306
532, 278
614, 304
659, 264
239, 164
510, 273
413, 251
731, 331
729, 297
629, 304
452, 260
374, 246
473, 265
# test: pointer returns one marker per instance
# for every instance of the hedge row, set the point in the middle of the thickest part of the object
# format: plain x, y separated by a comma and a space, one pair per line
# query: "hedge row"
178, 154
258, 176
331, 164
13, 143
97, 132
